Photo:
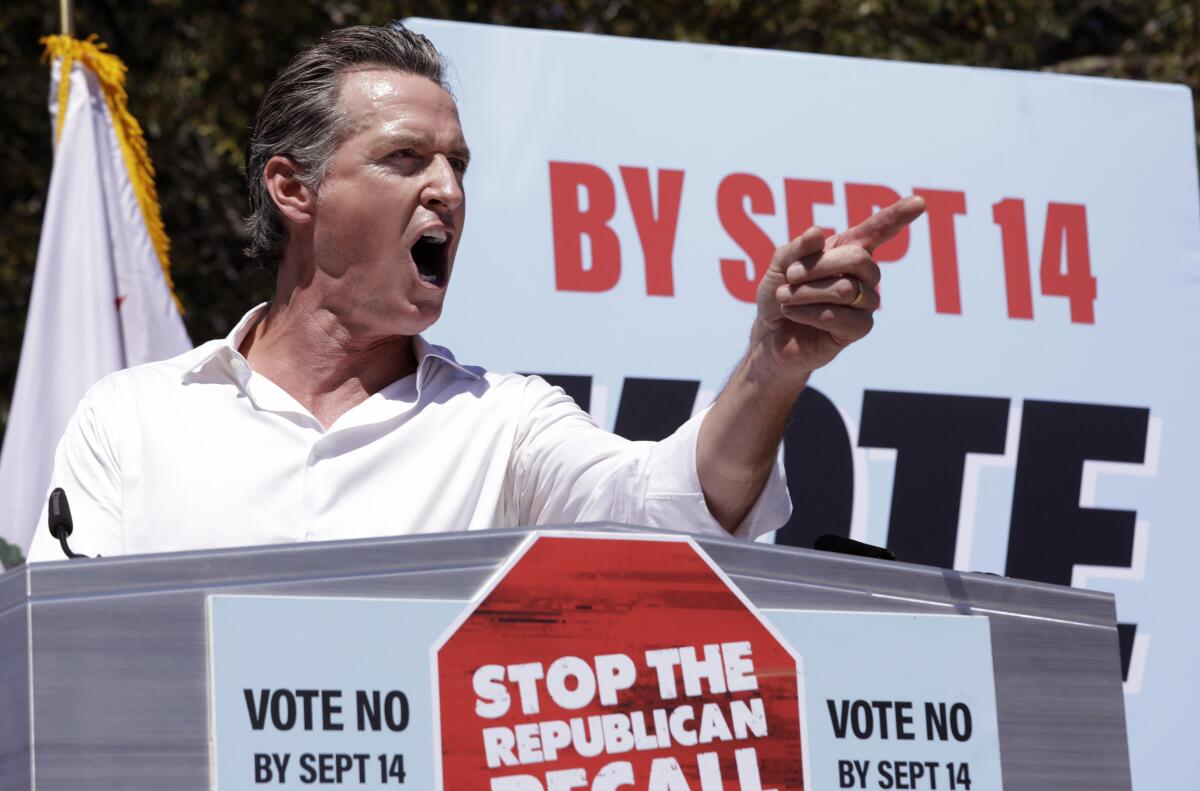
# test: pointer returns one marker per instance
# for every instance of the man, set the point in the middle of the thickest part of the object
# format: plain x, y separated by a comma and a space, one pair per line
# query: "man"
324, 414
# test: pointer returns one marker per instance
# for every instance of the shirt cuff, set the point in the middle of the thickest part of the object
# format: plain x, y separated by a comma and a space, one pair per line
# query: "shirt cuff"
675, 500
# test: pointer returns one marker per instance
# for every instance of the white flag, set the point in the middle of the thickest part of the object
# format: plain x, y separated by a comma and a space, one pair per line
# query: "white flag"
102, 296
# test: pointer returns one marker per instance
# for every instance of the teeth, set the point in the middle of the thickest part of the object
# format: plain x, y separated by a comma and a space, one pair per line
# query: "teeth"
434, 235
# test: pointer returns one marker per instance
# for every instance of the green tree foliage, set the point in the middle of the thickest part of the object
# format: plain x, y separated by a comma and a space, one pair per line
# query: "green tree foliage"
10, 556
197, 71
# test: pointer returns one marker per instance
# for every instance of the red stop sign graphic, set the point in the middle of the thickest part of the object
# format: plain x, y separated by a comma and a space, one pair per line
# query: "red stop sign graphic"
616, 664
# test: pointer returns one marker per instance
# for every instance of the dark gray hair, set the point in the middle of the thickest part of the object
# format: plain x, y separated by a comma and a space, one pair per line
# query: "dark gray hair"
299, 119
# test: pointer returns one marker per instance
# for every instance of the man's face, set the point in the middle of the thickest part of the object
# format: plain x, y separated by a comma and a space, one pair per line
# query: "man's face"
390, 212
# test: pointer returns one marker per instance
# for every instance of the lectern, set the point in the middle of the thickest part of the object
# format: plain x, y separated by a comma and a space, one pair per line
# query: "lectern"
105, 663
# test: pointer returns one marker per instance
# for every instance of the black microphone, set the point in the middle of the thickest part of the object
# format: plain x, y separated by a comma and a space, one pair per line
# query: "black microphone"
61, 525
848, 546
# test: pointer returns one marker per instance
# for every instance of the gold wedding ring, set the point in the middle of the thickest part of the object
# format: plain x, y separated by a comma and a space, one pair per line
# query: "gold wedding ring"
861, 292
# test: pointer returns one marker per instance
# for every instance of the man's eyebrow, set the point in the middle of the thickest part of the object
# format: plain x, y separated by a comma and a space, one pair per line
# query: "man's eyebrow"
406, 138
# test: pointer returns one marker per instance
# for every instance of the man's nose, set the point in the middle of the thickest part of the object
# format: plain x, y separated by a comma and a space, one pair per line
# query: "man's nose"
443, 187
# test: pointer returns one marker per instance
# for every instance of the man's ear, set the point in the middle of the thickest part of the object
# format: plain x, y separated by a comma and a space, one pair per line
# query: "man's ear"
294, 200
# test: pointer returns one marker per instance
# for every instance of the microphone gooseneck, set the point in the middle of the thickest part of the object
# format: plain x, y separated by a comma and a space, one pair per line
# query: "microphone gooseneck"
831, 542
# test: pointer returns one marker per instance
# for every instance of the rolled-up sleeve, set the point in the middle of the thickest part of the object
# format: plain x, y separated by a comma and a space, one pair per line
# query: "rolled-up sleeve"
566, 470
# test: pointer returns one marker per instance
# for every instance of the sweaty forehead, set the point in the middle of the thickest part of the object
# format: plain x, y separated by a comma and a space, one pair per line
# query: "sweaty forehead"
375, 98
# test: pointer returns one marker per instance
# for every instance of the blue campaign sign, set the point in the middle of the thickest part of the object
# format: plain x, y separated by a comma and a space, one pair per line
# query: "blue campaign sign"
311, 691
319, 691
896, 701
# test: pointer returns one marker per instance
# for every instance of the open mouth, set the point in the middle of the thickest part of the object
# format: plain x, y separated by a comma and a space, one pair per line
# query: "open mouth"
430, 254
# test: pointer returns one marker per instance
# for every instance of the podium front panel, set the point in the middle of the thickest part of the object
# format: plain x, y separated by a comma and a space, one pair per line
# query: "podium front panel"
104, 661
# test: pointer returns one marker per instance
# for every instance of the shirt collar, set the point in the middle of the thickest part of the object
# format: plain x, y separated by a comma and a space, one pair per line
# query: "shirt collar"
429, 357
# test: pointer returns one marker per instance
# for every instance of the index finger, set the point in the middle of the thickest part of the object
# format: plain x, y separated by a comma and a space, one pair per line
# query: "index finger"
883, 224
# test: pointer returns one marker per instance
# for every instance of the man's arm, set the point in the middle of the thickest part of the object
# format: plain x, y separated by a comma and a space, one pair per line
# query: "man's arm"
817, 297
87, 467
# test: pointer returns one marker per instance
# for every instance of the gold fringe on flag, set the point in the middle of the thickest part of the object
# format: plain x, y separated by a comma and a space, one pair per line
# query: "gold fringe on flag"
110, 71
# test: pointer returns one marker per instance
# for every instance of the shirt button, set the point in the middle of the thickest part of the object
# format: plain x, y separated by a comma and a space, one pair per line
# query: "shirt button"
238, 363
318, 452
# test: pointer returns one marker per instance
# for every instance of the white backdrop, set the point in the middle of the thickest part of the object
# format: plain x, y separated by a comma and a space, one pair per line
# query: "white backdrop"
1093, 178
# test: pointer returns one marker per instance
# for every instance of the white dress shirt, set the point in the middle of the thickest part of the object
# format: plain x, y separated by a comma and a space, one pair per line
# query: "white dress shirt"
200, 451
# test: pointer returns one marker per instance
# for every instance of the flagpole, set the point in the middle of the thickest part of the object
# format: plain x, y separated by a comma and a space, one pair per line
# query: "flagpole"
66, 12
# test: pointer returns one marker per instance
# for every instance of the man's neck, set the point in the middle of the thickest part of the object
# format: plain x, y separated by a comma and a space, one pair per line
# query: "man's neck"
327, 366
